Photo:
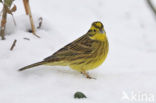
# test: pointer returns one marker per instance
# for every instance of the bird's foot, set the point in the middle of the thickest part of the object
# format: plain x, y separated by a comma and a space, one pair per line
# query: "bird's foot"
87, 75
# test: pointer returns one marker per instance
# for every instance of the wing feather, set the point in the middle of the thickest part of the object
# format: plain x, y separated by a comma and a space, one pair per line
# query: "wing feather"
81, 46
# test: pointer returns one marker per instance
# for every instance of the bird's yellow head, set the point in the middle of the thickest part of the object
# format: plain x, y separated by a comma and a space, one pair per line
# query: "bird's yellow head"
96, 31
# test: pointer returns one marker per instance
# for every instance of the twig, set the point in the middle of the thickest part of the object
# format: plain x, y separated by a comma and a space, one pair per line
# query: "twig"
151, 6
10, 11
13, 10
28, 12
13, 45
25, 6
40, 23
26, 38
3, 22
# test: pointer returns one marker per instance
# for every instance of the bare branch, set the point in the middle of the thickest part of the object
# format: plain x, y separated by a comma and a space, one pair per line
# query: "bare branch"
28, 12
13, 45
3, 22
25, 6
10, 11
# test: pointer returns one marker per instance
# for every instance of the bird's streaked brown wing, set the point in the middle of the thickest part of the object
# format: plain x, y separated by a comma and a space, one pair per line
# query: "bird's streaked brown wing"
79, 47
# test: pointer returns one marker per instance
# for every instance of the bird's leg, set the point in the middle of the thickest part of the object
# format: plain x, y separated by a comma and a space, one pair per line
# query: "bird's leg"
86, 74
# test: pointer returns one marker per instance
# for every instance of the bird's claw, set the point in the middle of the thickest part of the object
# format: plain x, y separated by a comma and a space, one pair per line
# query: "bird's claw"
87, 75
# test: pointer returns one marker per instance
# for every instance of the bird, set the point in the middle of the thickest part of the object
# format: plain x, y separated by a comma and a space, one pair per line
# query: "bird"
85, 53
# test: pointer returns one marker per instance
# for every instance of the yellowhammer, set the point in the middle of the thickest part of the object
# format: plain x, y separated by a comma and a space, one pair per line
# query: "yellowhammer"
86, 53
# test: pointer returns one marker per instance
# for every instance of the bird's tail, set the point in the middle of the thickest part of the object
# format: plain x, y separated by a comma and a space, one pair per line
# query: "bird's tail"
32, 65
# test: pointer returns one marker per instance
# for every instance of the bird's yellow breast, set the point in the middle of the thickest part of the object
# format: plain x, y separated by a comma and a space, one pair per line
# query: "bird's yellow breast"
95, 59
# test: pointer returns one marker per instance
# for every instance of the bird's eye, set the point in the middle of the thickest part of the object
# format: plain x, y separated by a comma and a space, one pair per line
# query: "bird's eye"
94, 30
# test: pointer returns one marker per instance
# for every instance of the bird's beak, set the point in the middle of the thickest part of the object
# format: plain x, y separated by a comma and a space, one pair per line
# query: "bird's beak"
101, 31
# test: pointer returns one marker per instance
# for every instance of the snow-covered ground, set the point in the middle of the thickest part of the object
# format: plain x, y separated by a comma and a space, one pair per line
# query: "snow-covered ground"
129, 70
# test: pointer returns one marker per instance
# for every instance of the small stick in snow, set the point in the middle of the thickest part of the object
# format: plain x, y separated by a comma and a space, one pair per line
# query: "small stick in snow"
13, 45
40, 23
151, 5
26, 38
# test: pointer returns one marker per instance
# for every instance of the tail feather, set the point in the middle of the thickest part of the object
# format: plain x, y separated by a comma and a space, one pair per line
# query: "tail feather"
32, 65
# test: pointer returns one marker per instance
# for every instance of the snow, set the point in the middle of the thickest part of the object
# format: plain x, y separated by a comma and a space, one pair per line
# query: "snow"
129, 67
